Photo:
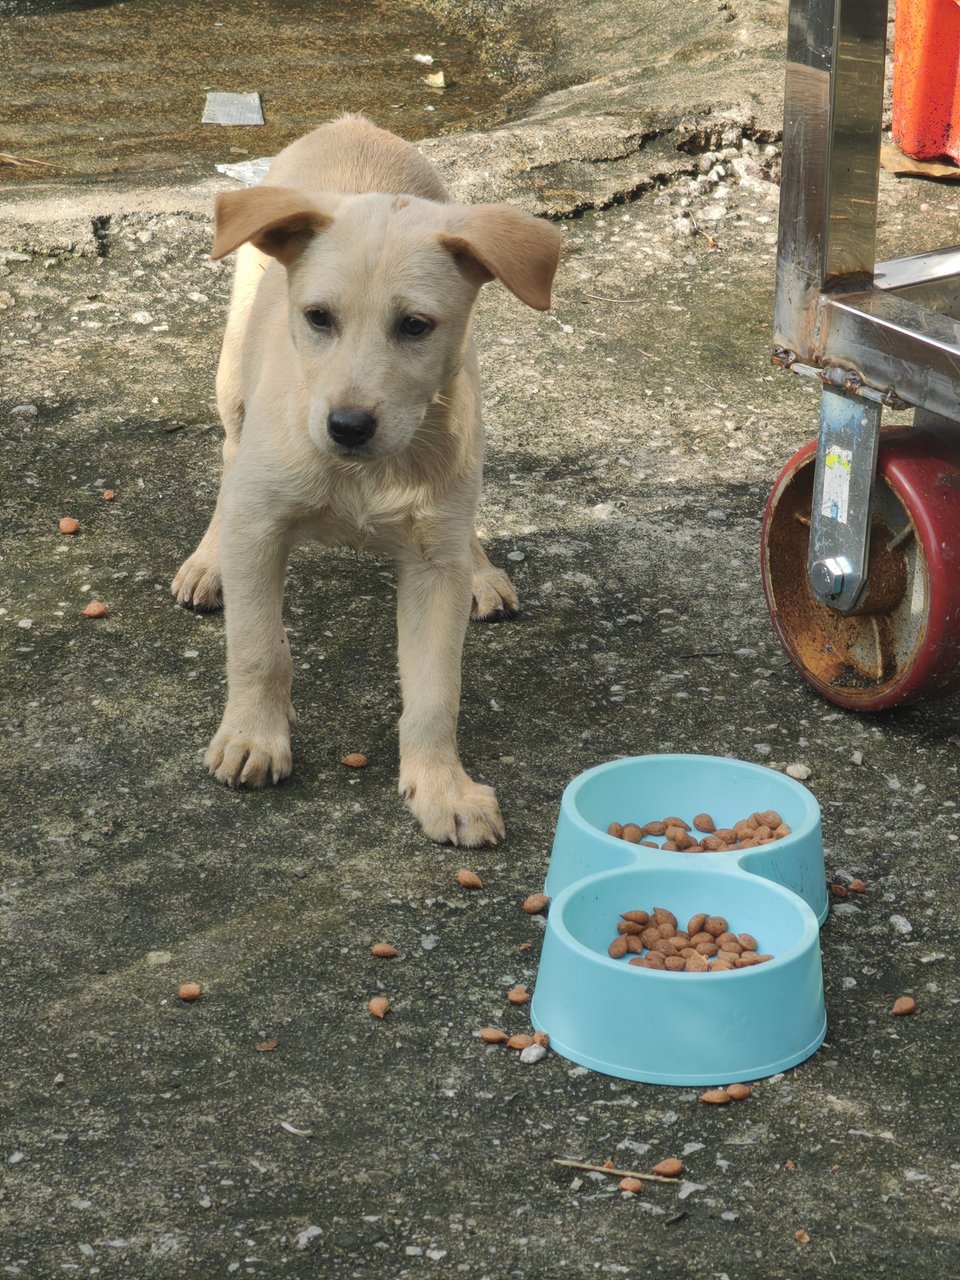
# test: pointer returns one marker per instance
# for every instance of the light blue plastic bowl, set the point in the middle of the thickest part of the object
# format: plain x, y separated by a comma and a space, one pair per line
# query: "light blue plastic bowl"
680, 1028
647, 788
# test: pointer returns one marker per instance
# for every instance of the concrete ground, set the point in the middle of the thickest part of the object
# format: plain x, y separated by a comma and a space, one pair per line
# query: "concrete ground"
635, 432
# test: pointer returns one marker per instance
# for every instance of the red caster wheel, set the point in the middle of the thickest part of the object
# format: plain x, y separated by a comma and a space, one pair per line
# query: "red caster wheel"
902, 642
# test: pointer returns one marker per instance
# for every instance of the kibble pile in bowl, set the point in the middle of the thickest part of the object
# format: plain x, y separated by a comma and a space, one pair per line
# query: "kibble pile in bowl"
748, 833
653, 940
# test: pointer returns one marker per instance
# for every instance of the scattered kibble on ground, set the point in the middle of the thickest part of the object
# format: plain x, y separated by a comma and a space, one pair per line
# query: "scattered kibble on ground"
535, 903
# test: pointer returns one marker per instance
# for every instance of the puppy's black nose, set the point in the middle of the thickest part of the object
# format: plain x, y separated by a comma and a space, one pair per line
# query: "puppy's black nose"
351, 427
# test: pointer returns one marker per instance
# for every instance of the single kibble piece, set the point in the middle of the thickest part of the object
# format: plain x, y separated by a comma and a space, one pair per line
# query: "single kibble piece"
696, 923
781, 831
654, 828
541, 1038
838, 890
267, 1046
662, 916
858, 886
628, 927
739, 1091
715, 925
468, 879
520, 1041
535, 903
702, 936
706, 949
615, 829
650, 935
69, 525
674, 964
747, 941
632, 833
518, 995
492, 1035
634, 944
671, 1167
633, 1185
188, 991
670, 846
712, 843
717, 1096
703, 822
676, 822
655, 960
762, 959
771, 819
355, 760
801, 1236
635, 917
108, 495
379, 1006
618, 947
904, 1005
384, 951
96, 609
723, 962
696, 963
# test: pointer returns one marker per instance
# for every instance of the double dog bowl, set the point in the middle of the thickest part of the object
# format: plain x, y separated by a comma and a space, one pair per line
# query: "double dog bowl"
683, 1028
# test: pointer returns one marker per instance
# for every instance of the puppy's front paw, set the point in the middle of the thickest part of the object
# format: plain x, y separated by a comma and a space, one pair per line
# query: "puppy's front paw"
452, 808
251, 754
494, 595
197, 584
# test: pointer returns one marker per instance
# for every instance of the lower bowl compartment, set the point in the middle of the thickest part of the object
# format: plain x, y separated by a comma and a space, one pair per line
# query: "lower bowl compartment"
680, 1028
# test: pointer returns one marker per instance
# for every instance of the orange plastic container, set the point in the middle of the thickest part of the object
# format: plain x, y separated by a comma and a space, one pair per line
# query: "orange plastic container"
926, 78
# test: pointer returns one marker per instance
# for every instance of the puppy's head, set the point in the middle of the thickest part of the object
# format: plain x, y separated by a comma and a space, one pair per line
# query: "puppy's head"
381, 293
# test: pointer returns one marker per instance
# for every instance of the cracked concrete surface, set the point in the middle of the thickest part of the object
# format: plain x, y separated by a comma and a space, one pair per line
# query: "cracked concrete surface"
635, 432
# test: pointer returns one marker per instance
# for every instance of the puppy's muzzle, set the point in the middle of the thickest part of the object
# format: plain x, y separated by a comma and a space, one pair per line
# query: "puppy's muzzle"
351, 428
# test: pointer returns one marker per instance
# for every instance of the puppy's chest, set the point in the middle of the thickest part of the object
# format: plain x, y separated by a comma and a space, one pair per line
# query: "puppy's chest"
350, 519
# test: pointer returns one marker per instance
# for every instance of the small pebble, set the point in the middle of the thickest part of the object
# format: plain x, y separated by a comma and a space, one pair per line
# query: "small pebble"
799, 771
532, 1054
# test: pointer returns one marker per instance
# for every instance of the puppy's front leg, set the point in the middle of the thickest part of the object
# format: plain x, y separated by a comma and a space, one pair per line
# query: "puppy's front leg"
433, 608
252, 744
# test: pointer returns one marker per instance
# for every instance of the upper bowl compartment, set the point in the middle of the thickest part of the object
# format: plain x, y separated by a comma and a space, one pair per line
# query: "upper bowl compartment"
648, 788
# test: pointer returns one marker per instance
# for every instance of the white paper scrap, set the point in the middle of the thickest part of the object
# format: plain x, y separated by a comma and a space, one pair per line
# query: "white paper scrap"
232, 108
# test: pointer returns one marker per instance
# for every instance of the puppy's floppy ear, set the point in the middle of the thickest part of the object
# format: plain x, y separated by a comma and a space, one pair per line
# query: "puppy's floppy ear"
277, 220
497, 241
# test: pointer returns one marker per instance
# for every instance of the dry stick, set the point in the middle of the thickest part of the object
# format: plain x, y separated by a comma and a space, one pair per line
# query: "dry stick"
6, 158
615, 1173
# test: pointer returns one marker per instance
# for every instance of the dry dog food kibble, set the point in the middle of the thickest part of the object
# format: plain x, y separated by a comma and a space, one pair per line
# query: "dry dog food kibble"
748, 833
653, 940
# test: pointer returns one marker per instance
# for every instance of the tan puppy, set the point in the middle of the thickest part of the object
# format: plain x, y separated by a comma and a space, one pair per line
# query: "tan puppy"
348, 391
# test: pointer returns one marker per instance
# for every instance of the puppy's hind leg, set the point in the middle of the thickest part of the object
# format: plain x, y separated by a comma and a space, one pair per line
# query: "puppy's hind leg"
494, 595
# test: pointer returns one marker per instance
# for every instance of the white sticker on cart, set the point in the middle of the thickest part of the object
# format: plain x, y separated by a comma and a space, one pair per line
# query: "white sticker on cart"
835, 498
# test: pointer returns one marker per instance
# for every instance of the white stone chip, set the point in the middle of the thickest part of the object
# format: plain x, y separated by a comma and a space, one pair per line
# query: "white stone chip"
532, 1054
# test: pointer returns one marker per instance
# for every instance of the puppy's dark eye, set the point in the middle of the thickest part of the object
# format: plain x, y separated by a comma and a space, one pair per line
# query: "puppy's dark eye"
319, 318
415, 326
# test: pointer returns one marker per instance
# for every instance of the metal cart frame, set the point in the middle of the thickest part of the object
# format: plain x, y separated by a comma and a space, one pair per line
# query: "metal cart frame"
874, 333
